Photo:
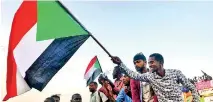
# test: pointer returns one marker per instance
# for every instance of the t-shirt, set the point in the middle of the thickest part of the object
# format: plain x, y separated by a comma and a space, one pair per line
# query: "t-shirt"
94, 97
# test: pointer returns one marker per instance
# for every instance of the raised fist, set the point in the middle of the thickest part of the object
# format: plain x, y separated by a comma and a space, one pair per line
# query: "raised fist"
116, 60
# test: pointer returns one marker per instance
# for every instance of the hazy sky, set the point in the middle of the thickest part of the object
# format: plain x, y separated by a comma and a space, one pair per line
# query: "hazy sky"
180, 31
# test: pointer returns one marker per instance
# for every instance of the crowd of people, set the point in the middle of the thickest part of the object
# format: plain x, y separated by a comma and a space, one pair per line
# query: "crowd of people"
204, 77
153, 84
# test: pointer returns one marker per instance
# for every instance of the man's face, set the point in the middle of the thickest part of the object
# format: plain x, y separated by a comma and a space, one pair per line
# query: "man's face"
92, 87
153, 64
126, 80
76, 98
139, 64
56, 99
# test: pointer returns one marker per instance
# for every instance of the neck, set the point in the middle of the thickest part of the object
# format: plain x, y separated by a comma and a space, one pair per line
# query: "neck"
94, 91
161, 72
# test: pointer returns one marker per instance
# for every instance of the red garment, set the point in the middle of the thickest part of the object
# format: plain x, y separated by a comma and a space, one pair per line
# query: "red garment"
108, 91
136, 91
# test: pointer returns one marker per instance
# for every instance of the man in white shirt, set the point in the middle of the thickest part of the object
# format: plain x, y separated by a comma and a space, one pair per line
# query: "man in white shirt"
96, 96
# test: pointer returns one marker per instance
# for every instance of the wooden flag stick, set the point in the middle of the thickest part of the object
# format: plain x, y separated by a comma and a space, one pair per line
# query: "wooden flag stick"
101, 45
84, 28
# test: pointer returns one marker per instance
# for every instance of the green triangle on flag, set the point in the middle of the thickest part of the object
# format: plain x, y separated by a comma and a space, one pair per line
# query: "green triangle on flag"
54, 22
93, 70
97, 64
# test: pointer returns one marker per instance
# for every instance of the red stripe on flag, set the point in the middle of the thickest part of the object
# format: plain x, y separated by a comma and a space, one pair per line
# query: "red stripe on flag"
90, 64
25, 18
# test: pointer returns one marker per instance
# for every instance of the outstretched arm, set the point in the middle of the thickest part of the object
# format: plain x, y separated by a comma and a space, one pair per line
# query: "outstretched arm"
185, 82
134, 75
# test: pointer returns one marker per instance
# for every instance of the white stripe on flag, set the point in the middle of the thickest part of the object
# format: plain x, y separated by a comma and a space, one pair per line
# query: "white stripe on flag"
28, 50
90, 72
21, 84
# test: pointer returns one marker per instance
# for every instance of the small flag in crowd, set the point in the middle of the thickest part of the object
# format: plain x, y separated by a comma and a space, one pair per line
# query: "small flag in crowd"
93, 70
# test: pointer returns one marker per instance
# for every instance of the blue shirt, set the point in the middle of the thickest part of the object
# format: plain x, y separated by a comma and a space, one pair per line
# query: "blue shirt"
123, 97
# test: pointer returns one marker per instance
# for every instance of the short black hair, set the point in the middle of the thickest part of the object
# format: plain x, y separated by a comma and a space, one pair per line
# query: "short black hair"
158, 57
95, 83
49, 98
75, 95
139, 56
56, 96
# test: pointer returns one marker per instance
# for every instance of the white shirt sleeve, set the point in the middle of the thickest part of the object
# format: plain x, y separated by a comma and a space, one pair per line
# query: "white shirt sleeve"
103, 97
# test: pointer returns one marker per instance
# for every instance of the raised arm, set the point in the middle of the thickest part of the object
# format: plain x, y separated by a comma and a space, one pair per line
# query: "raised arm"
134, 75
185, 82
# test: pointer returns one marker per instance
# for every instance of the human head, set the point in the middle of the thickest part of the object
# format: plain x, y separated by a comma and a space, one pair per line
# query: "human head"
117, 74
49, 99
76, 98
56, 98
102, 79
139, 61
93, 87
126, 80
156, 61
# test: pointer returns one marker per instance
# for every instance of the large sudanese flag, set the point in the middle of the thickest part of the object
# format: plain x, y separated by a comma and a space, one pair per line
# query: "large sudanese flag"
44, 36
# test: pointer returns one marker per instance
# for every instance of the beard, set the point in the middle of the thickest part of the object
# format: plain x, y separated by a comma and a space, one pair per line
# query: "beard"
140, 69
92, 90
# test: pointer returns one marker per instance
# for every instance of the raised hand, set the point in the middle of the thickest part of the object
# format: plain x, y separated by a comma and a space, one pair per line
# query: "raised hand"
116, 60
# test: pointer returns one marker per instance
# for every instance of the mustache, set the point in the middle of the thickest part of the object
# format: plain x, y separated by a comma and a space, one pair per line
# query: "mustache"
140, 67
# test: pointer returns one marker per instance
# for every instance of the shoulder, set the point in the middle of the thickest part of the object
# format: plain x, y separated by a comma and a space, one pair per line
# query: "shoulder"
103, 97
102, 94
95, 93
173, 70
134, 81
101, 89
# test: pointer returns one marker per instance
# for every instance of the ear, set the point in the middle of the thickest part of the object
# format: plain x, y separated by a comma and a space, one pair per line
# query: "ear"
145, 62
161, 65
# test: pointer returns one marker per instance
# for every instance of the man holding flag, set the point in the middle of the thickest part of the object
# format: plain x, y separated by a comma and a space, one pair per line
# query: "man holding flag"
165, 82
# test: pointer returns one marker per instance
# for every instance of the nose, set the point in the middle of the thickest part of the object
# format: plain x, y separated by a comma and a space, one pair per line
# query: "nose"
136, 64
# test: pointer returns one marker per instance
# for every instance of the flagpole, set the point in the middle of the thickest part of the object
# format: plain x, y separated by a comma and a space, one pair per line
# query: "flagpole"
84, 28
101, 45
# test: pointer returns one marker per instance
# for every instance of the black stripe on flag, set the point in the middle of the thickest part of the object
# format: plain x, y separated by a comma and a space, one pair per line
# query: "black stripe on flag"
94, 75
52, 60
